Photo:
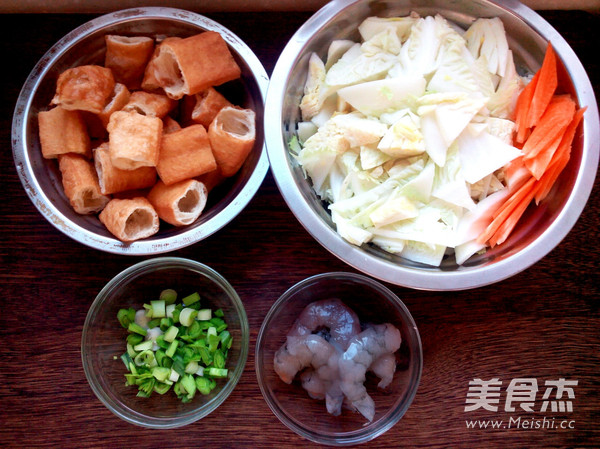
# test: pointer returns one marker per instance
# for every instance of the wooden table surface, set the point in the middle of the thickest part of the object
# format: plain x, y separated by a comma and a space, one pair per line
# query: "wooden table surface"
541, 324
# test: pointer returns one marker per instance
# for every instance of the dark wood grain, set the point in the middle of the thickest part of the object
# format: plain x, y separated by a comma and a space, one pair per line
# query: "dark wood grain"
542, 323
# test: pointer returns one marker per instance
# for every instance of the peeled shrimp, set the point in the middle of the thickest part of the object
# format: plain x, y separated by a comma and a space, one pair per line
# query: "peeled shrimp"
365, 349
326, 346
384, 368
320, 388
338, 320
301, 352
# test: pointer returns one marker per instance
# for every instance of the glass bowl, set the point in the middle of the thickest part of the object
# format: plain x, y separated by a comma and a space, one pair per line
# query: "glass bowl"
373, 303
41, 178
103, 339
540, 229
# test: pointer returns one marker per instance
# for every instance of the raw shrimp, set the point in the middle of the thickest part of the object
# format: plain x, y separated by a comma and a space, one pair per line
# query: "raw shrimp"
300, 352
331, 314
327, 346
384, 368
320, 388
363, 350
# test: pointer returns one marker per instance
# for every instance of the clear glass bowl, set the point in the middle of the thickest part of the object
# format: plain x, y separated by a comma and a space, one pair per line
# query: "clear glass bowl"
103, 339
308, 417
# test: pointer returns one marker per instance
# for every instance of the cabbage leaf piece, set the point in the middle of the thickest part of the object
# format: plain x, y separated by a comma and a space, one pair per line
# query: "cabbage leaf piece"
487, 37
373, 25
482, 154
377, 97
357, 66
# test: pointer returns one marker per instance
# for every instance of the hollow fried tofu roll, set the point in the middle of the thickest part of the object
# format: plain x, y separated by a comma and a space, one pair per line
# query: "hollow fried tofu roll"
170, 125
85, 88
185, 154
130, 219
95, 128
63, 131
193, 64
232, 134
147, 103
80, 184
179, 204
208, 104
127, 57
134, 140
114, 180
149, 81
211, 179
119, 98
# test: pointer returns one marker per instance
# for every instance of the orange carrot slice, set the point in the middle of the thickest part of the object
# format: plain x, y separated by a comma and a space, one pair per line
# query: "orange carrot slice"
511, 221
553, 123
537, 165
560, 159
544, 88
506, 210
522, 108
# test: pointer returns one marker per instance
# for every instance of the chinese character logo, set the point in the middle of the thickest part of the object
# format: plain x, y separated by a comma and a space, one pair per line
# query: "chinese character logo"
483, 394
562, 387
521, 393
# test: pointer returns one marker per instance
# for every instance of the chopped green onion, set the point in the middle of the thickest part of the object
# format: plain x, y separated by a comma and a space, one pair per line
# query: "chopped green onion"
176, 312
204, 385
187, 316
126, 360
179, 367
172, 348
161, 388
155, 322
190, 299
145, 358
158, 308
165, 323
226, 339
191, 367
143, 346
171, 333
204, 315
169, 296
173, 376
206, 356
219, 360
126, 316
134, 339
160, 373
187, 343
161, 356
189, 384
215, 372
148, 308
134, 327
169, 311
160, 341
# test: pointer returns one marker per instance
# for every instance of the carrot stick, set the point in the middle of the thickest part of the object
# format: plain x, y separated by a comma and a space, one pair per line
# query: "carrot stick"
553, 123
537, 165
544, 88
511, 221
522, 108
506, 211
560, 159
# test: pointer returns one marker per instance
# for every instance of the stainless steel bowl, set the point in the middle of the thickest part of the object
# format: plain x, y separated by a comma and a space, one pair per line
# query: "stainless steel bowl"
84, 45
540, 229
